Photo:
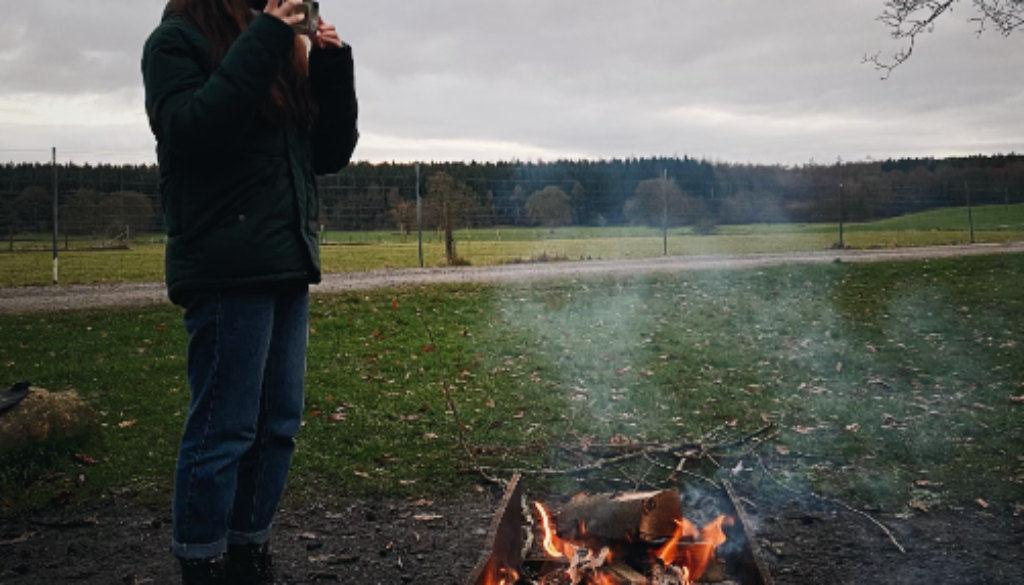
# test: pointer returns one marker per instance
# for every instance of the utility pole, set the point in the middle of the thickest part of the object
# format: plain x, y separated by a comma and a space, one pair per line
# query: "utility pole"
55, 204
970, 210
664, 211
842, 217
419, 212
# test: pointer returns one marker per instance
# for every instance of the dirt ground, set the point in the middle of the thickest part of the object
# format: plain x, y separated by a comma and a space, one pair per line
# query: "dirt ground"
383, 542
45, 299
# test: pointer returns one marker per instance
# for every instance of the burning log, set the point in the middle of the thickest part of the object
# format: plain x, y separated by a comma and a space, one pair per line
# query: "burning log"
648, 516
623, 574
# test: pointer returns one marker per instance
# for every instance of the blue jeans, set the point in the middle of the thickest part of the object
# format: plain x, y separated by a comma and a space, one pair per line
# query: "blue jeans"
246, 370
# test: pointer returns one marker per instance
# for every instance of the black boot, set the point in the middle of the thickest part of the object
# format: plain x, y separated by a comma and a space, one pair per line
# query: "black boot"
250, 564
202, 571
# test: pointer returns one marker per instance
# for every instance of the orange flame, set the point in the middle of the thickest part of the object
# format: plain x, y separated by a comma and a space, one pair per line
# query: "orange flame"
670, 551
549, 535
694, 559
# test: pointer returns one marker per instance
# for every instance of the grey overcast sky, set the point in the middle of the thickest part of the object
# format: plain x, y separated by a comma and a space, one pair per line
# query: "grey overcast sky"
772, 81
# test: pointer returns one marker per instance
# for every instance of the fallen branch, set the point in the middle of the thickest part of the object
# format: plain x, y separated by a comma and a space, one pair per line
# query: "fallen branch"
745, 438
883, 527
597, 465
644, 450
679, 469
450, 401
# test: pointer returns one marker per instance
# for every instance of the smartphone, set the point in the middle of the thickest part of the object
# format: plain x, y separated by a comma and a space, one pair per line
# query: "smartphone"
311, 23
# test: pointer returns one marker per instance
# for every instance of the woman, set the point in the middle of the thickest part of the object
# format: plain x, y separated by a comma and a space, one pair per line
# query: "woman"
245, 115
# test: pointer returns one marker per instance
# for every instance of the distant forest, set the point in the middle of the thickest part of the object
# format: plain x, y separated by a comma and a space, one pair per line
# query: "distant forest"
594, 193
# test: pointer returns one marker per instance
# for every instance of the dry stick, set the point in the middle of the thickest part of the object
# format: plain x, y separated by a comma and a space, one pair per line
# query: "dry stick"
743, 440
602, 463
884, 528
679, 469
597, 465
757, 445
446, 390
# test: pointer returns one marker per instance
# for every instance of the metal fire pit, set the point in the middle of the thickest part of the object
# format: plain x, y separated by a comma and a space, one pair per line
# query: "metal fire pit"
508, 535
504, 541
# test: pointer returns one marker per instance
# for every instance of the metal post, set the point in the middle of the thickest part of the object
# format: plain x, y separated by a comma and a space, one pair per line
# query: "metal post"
970, 210
842, 218
664, 211
55, 192
419, 213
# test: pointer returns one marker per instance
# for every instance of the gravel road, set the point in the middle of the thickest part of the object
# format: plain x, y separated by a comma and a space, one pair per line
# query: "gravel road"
69, 298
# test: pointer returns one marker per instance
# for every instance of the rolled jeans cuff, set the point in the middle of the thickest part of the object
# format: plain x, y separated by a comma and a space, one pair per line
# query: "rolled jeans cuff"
193, 552
243, 538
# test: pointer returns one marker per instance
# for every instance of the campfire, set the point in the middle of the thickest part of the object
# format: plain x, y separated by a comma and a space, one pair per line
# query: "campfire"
629, 536
609, 539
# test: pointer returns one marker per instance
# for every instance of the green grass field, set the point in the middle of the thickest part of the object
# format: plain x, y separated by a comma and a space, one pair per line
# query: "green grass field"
353, 252
877, 377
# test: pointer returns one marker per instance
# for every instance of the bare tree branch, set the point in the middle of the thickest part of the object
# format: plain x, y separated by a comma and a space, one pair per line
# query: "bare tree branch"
909, 19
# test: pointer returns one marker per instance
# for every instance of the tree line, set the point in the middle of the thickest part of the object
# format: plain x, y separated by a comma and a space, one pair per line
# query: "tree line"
639, 191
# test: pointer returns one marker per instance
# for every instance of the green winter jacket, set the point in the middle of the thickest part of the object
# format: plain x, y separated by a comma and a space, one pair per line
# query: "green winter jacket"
238, 190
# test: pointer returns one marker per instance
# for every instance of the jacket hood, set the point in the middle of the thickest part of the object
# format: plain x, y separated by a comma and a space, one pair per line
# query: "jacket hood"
169, 12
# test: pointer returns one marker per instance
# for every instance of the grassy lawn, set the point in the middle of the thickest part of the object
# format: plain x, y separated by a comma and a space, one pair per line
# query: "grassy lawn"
144, 262
877, 377
986, 218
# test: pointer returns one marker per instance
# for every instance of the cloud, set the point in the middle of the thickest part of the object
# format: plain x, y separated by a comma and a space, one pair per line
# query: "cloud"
741, 80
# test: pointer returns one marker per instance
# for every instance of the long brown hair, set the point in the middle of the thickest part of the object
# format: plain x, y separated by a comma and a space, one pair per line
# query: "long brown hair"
223, 21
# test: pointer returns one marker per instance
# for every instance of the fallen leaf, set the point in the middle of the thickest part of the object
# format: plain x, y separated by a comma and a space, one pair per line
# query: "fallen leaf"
805, 430
422, 502
490, 403
337, 417
363, 474
429, 436
621, 440
839, 368
1018, 510
919, 505
1017, 399
853, 428
407, 481
782, 450
126, 424
982, 503
84, 459
427, 517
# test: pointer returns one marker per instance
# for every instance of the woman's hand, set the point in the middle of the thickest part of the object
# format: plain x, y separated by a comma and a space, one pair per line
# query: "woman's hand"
285, 11
327, 37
